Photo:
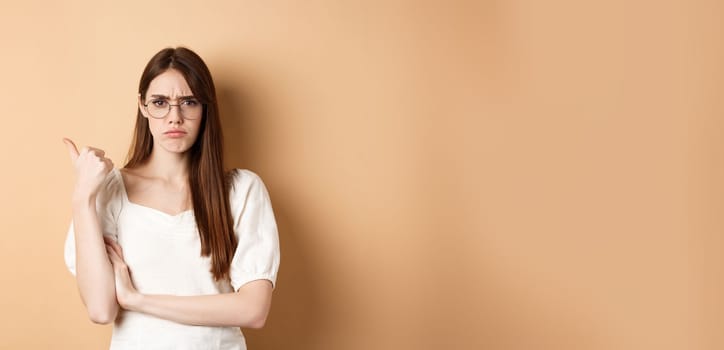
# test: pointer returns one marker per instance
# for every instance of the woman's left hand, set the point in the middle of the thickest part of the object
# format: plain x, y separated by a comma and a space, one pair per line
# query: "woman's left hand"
126, 293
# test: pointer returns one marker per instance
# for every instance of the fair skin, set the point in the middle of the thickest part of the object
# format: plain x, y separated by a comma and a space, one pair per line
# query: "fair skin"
104, 279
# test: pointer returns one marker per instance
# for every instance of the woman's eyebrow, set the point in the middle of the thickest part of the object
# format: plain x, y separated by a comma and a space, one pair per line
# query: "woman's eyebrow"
166, 97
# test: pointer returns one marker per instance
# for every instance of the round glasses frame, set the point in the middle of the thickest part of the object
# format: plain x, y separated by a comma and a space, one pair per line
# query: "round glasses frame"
190, 112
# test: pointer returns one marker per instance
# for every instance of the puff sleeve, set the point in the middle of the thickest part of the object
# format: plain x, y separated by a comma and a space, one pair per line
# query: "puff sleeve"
108, 202
257, 253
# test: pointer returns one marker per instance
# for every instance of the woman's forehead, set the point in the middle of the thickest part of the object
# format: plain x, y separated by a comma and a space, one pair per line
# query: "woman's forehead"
171, 84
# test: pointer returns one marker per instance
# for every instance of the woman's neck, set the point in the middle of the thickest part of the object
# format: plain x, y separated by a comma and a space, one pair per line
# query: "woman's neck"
168, 166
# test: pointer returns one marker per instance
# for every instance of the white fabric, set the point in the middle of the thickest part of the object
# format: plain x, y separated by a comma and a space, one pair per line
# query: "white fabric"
163, 254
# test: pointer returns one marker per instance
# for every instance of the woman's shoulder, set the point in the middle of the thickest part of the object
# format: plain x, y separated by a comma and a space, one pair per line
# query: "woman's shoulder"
245, 185
243, 179
111, 189
113, 181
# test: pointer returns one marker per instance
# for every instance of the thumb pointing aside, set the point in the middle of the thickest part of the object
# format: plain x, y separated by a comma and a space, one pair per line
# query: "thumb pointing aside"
71, 149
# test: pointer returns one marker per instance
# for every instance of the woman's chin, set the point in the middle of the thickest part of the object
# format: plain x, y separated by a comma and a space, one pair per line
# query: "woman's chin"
175, 146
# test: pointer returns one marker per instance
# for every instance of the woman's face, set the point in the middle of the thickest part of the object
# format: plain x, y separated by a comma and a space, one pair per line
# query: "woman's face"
177, 131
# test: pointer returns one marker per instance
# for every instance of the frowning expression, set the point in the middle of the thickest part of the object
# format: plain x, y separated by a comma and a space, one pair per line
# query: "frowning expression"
174, 114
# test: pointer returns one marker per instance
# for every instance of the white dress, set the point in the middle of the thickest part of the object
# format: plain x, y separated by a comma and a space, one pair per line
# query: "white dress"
163, 254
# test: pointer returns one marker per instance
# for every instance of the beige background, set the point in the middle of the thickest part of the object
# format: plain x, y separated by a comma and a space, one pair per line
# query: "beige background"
446, 175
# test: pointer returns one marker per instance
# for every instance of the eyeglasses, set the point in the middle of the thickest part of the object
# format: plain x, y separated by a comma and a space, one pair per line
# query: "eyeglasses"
159, 108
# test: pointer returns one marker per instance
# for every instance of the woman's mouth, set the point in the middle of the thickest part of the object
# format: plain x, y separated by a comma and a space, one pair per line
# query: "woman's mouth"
175, 133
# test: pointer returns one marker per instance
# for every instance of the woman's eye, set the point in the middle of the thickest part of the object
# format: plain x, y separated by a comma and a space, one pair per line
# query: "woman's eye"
191, 103
159, 103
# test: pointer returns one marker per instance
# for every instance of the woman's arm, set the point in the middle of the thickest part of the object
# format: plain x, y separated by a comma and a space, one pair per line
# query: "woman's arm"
247, 308
94, 272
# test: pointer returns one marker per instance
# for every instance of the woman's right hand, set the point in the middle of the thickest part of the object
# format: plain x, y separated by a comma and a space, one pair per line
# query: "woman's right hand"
91, 168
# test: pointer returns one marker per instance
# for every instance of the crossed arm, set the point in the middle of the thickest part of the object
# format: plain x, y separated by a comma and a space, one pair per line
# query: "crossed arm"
248, 307
105, 286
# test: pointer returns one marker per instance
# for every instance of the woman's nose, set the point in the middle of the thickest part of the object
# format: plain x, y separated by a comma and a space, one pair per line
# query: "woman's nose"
174, 115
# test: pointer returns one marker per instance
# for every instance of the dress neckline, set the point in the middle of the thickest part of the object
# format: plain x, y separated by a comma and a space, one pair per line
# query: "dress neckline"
151, 209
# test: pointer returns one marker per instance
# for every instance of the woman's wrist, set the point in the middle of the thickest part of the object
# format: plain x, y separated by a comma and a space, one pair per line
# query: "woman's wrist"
132, 302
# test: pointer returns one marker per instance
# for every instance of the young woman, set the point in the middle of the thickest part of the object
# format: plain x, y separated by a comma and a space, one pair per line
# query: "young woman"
171, 248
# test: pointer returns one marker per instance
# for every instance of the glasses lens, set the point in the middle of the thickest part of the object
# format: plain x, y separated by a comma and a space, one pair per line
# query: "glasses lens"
157, 108
191, 109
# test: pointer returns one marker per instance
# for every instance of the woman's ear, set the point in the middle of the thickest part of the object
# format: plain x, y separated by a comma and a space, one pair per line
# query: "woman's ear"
141, 107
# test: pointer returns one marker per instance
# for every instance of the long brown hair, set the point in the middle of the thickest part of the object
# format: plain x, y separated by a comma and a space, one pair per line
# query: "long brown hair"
207, 179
